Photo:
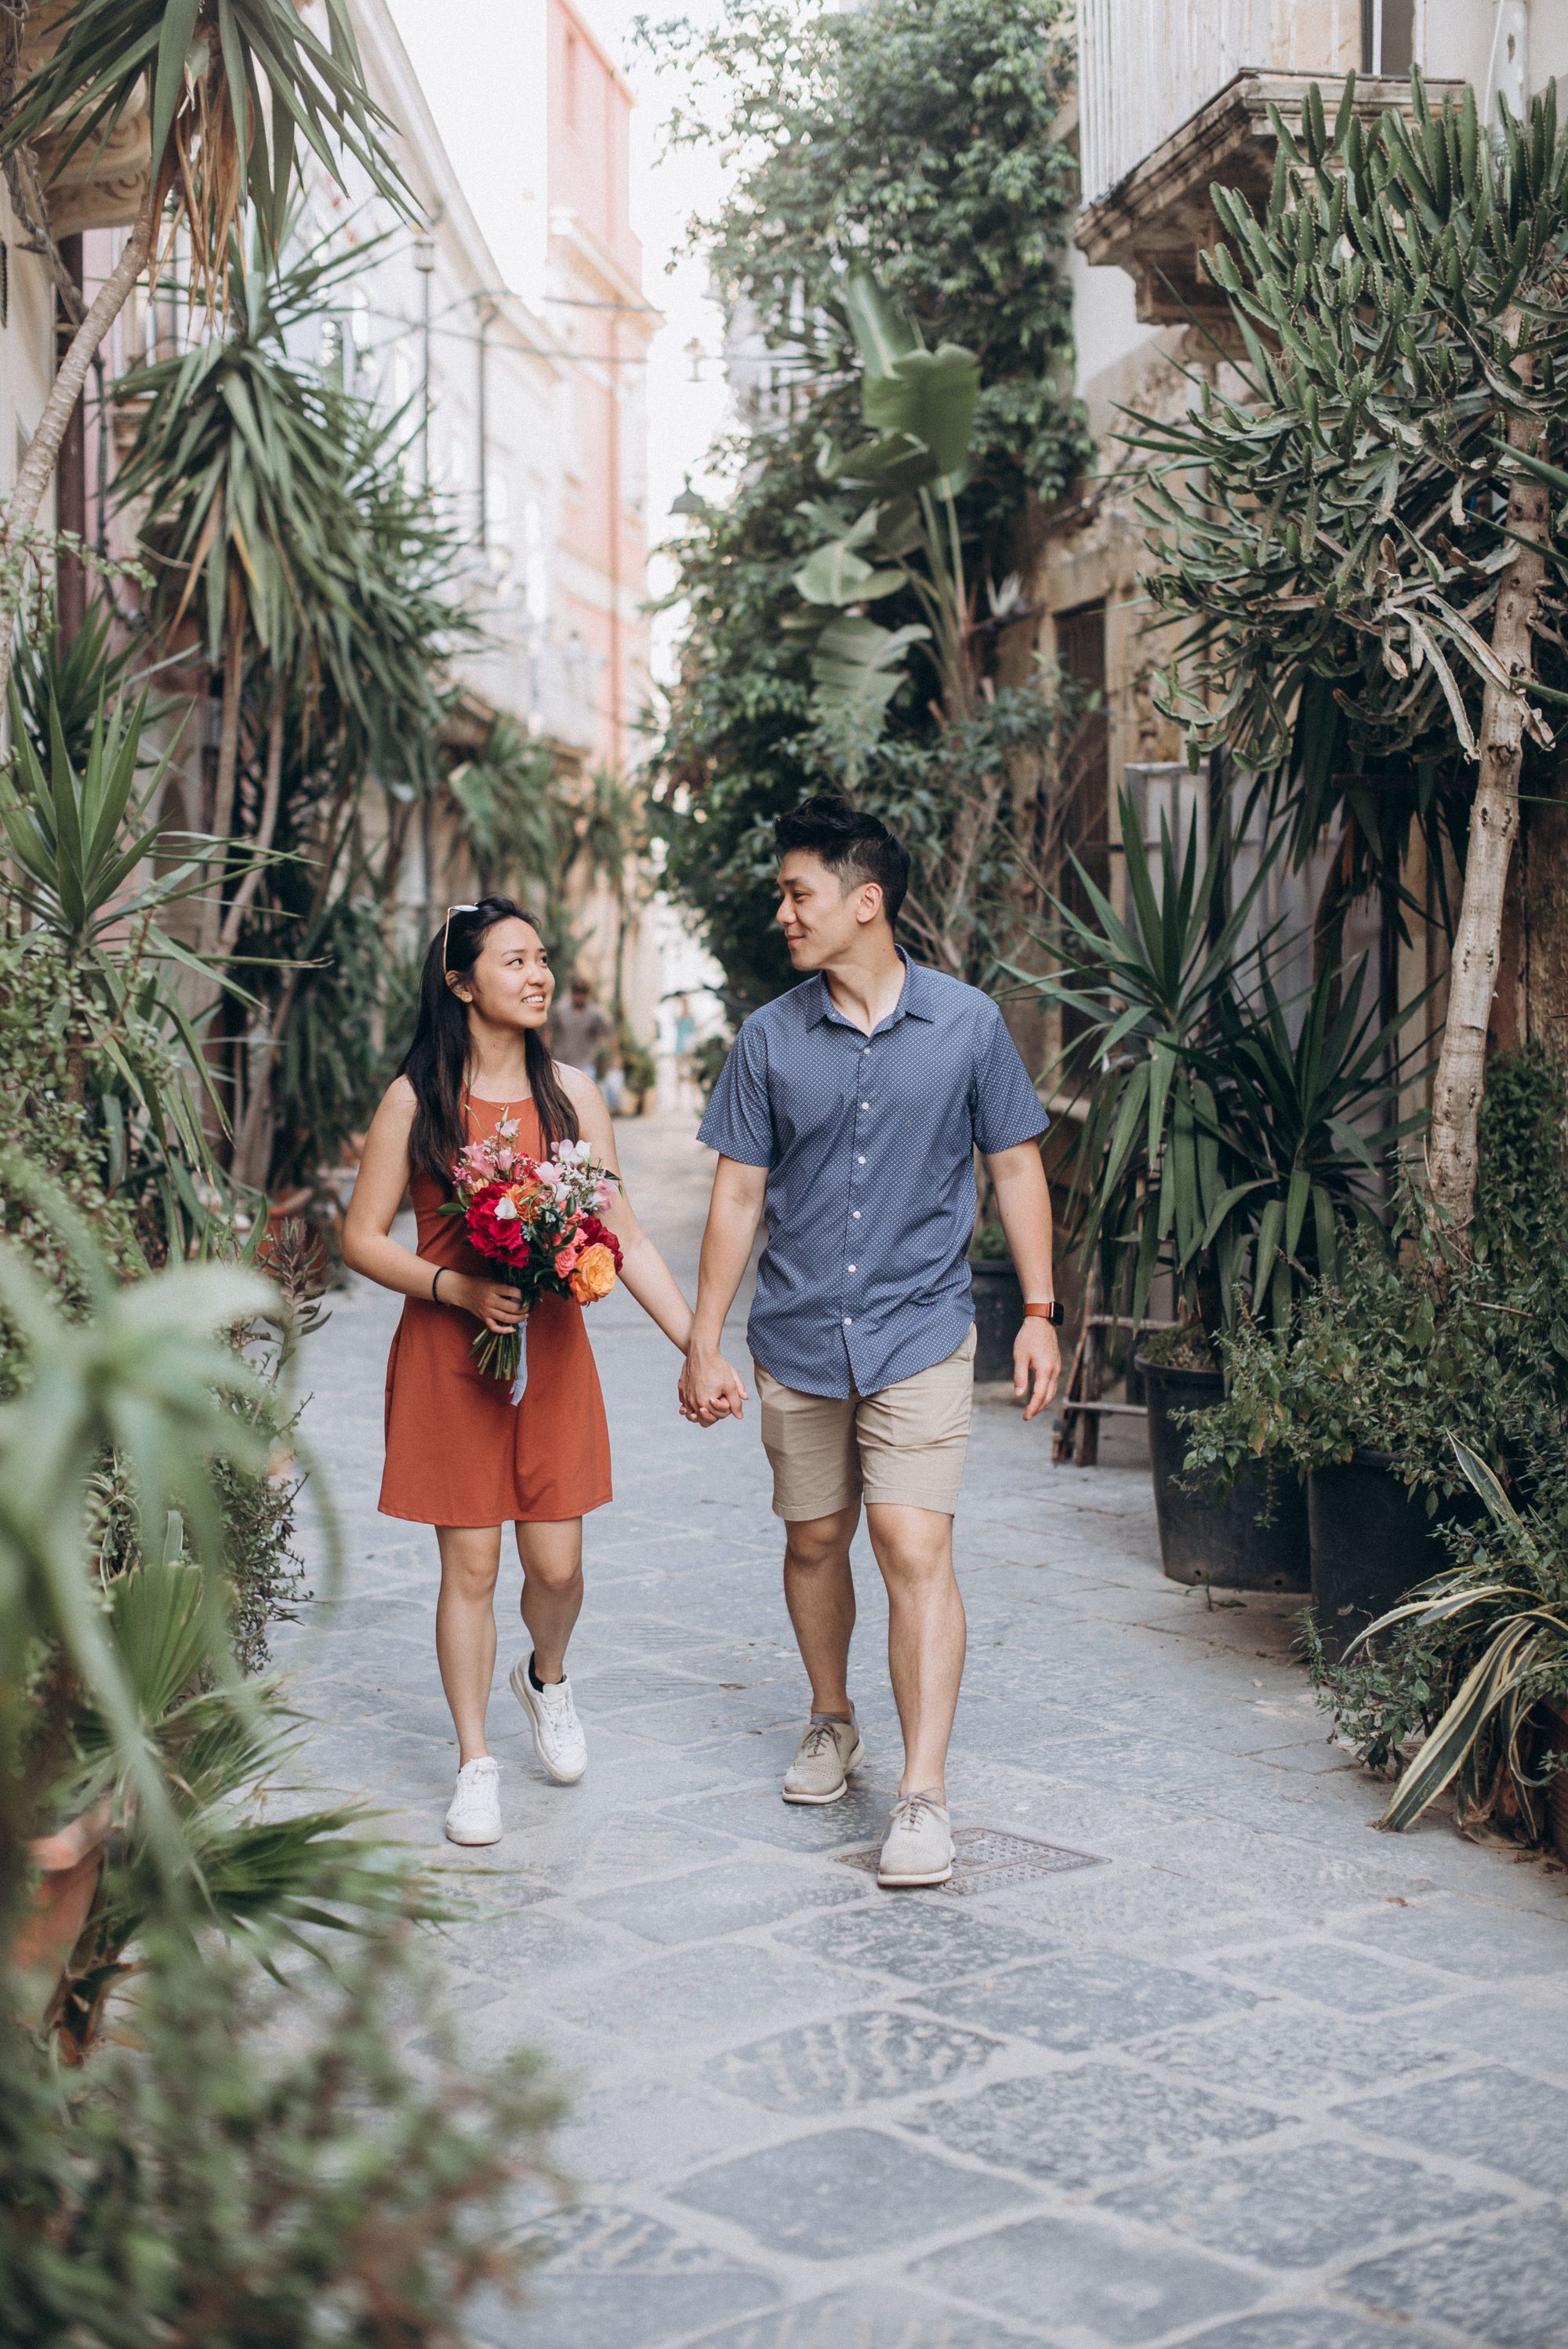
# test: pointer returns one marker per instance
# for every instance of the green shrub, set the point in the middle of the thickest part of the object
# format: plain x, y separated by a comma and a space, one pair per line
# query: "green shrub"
266, 2165
1416, 1339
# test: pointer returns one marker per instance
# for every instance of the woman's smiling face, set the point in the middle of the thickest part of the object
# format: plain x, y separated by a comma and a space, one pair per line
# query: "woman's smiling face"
512, 984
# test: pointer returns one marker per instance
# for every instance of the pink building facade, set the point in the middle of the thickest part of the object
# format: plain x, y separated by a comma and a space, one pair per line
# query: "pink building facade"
600, 316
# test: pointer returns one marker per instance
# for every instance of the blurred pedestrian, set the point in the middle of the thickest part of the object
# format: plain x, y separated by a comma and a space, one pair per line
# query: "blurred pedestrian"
578, 1030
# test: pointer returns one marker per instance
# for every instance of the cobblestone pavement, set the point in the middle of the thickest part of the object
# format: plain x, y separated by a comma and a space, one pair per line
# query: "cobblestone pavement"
1236, 2070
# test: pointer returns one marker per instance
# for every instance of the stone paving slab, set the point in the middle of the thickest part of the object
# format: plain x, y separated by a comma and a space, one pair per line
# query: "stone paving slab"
1261, 2079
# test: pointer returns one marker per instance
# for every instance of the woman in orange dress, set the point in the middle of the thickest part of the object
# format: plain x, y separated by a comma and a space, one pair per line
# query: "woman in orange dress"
460, 1454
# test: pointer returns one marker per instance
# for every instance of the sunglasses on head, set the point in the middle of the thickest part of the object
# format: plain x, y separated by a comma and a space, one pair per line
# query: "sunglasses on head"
447, 933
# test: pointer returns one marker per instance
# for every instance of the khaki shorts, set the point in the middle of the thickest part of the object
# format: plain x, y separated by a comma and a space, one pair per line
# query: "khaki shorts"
905, 1446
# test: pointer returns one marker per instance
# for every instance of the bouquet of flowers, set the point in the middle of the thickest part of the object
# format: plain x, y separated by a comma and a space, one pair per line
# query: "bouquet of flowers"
536, 1221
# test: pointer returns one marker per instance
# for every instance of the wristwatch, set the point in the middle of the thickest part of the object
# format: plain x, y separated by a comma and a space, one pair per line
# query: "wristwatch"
1055, 1311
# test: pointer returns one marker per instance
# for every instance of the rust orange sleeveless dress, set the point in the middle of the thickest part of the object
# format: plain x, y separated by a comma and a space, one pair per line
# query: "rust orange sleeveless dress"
458, 1451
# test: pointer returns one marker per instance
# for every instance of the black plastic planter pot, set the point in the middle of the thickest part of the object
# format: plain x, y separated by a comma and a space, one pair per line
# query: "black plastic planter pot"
999, 1310
1372, 1541
1227, 1545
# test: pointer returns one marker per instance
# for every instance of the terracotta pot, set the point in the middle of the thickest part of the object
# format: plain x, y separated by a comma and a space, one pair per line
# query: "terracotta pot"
288, 1204
69, 1864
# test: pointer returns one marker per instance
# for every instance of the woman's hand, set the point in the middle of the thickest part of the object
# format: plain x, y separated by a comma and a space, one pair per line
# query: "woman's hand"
496, 1303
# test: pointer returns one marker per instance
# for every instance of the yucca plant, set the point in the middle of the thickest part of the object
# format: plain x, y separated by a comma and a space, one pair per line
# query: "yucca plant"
249, 471
1307, 1105
1150, 1173
217, 148
513, 810
92, 871
1509, 1605
1227, 1132
1370, 507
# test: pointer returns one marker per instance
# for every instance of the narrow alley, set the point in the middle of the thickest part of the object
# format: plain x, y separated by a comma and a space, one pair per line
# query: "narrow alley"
1185, 2054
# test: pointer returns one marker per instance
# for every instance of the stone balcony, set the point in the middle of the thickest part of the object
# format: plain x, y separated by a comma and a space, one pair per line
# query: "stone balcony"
1158, 218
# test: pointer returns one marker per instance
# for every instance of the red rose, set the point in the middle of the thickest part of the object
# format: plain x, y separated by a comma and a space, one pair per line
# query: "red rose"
501, 1237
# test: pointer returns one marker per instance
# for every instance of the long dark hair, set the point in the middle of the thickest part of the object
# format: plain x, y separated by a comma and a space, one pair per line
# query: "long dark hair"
437, 1060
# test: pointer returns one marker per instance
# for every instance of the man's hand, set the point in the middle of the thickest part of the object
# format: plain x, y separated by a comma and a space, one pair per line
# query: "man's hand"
710, 1389
1037, 1364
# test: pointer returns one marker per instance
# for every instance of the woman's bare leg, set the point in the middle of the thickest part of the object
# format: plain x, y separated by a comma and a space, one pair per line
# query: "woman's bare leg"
465, 1629
552, 1554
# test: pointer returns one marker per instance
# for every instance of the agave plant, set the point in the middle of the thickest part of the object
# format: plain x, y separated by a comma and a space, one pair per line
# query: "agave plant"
266, 1879
144, 1376
1514, 1609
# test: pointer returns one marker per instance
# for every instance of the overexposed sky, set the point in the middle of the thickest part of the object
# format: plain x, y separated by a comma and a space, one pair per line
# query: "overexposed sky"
468, 55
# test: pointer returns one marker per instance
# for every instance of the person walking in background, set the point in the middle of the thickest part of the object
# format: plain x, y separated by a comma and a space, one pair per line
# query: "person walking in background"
687, 1088
579, 1030
849, 1110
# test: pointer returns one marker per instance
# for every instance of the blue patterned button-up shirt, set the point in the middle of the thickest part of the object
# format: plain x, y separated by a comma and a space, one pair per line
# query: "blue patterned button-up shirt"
869, 1142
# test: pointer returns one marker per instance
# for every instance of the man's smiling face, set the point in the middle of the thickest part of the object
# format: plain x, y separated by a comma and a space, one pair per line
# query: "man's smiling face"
819, 917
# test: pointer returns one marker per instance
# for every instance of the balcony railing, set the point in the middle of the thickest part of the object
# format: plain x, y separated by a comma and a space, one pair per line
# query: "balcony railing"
1145, 67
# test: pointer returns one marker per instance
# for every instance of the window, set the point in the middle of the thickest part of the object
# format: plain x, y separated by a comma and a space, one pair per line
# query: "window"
1388, 36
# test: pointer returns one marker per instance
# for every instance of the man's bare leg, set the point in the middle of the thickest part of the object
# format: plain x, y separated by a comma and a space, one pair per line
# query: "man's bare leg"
925, 1635
820, 1592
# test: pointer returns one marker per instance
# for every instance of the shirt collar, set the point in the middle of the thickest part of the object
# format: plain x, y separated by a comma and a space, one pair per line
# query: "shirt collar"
914, 1003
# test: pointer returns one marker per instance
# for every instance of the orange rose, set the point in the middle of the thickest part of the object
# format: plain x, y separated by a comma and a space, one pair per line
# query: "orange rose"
595, 1274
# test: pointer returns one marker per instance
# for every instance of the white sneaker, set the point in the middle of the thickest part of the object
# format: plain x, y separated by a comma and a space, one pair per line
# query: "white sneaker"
558, 1738
473, 1815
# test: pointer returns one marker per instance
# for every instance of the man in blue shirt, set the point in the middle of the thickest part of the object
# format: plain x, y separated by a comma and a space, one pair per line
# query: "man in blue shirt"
849, 1114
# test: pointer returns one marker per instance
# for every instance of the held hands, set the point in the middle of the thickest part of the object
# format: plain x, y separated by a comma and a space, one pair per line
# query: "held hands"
1036, 1365
494, 1302
709, 1389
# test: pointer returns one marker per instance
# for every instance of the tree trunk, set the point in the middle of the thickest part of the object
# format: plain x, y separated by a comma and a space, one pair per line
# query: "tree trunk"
43, 450
228, 776
1494, 821
267, 826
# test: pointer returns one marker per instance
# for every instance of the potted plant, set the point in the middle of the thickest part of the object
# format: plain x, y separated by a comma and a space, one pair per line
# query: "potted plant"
1355, 1392
1487, 1640
1220, 1144
998, 1301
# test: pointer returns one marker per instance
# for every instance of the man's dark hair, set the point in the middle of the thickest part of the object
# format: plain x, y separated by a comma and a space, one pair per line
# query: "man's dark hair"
854, 846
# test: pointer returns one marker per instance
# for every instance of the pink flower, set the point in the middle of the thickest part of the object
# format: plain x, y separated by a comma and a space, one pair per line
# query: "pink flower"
566, 1262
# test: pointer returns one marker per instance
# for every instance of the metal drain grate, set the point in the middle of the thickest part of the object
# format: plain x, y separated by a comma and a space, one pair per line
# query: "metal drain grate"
988, 1860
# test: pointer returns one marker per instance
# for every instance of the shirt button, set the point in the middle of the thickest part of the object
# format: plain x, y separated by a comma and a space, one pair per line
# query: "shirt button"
851, 1267
865, 1104
855, 1214
849, 1321
859, 1161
